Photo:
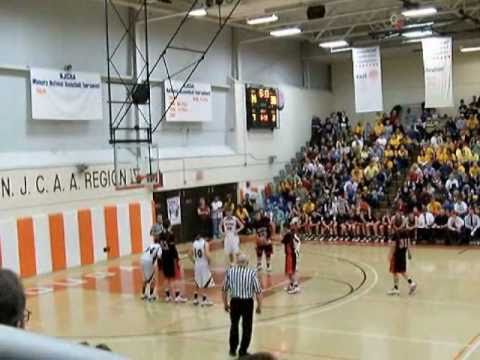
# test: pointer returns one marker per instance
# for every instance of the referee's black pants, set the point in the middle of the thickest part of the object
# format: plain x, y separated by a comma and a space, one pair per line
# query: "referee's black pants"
241, 308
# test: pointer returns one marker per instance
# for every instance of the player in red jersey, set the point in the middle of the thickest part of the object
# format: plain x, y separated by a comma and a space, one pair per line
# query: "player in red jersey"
291, 241
263, 229
398, 255
170, 265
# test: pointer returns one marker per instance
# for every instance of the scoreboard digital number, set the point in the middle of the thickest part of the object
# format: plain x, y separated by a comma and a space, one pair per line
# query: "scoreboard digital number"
262, 107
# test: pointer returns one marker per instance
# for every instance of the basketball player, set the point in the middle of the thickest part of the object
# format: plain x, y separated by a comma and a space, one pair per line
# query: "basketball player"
200, 256
170, 263
263, 230
149, 257
291, 241
231, 226
398, 255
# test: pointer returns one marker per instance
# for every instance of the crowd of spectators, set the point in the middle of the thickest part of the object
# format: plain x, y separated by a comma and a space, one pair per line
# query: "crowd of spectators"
210, 215
442, 188
342, 177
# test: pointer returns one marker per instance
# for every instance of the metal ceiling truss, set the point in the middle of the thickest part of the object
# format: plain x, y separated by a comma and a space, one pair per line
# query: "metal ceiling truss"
130, 117
341, 21
125, 110
354, 19
362, 23
222, 22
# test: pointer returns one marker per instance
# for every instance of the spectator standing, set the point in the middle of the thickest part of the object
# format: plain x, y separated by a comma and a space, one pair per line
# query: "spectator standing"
203, 213
248, 204
242, 214
229, 205
462, 108
216, 214
410, 118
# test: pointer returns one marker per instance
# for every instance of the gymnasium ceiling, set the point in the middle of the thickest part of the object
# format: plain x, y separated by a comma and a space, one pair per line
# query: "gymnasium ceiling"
361, 22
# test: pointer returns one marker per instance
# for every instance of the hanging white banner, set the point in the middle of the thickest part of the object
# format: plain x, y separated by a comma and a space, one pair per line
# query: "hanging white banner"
367, 77
193, 104
437, 63
60, 95
174, 210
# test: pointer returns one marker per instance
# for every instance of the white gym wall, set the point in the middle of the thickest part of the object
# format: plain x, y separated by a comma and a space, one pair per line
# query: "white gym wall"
53, 33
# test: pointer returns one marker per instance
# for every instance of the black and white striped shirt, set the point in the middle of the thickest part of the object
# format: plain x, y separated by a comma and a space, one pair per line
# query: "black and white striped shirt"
242, 282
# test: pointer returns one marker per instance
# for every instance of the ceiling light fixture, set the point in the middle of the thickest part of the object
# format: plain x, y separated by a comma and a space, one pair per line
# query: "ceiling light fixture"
419, 12
421, 25
339, 50
469, 49
333, 44
198, 12
286, 32
417, 34
413, 41
262, 20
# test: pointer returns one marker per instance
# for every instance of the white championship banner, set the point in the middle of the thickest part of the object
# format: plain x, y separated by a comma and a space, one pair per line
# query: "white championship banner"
367, 77
60, 95
174, 210
194, 104
437, 63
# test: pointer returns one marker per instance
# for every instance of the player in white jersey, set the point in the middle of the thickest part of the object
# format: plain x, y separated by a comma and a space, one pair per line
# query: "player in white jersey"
149, 259
231, 226
200, 256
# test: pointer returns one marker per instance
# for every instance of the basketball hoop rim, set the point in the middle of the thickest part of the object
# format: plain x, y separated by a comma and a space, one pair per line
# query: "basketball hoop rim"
150, 186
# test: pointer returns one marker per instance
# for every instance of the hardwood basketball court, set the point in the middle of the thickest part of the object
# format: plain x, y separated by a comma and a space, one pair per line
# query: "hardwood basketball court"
342, 312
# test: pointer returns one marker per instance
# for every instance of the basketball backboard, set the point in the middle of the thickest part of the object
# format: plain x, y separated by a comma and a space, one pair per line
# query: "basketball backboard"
137, 166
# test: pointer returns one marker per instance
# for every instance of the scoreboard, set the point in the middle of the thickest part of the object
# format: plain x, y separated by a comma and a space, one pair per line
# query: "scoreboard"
262, 107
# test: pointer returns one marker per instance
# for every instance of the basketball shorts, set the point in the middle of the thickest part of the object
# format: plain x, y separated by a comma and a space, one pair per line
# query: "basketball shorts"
148, 269
231, 244
203, 276
291, 264
266, 249
171, 269
398, 264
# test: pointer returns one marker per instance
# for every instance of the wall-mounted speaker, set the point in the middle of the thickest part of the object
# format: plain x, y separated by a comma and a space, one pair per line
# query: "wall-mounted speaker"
315, 12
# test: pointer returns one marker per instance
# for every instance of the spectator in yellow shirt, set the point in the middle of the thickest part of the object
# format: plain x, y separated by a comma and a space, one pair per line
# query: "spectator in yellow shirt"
371, 170
422, 159
443, 155
242, 214
378, 129
434, 206
357, 175
472, 122
474, 170
467, 153
397, 139
358, 130
459, 155
388, 155
309, 207
430, 152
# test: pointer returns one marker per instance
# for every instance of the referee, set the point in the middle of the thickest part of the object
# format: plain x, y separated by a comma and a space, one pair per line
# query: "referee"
242, 284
